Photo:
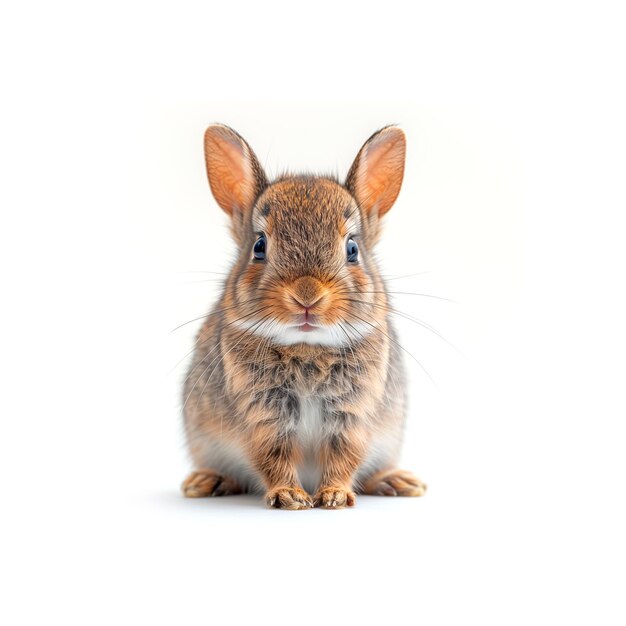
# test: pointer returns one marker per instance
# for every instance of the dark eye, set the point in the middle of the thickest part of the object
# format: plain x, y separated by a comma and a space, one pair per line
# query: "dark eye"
259, 248
352, 251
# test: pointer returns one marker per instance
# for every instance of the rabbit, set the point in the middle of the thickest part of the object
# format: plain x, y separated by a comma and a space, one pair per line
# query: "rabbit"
296, 388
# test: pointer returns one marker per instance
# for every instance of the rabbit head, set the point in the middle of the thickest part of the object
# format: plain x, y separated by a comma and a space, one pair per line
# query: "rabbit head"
305, 271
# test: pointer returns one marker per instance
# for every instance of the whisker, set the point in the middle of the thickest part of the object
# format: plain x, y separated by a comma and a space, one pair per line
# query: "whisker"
219, 310
217, 347
389, 277
426, 325
398, 293
375, 327
245, 334
364, 340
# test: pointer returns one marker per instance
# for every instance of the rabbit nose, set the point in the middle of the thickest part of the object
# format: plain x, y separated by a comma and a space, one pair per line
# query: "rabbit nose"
307, 291
307, 304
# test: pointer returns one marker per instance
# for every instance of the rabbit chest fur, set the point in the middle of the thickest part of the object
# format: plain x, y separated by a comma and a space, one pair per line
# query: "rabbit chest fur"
312, 395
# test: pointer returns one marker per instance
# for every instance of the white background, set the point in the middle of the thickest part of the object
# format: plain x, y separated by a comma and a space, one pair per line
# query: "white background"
512, 206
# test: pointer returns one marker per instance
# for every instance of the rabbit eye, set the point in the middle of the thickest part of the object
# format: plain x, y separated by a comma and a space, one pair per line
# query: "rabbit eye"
352, 251
259, 248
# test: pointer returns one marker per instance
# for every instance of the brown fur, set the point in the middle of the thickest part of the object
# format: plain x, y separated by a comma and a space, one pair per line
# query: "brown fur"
247, 390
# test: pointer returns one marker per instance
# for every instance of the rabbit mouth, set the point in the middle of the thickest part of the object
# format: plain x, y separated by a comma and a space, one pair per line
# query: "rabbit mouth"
306, 327
306, 322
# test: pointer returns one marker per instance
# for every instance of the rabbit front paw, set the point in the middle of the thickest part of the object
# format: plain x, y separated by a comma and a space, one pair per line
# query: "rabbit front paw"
334, 498
290, 498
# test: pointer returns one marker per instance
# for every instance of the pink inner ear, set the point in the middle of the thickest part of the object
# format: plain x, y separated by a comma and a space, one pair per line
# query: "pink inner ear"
383, 155
382, 170
234, 153
230, 173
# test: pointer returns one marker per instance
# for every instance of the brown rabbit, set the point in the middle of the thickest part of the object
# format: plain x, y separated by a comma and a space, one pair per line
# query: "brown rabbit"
297, 385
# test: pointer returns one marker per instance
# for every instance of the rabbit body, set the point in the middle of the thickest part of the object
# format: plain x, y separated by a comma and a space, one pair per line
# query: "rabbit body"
296, 388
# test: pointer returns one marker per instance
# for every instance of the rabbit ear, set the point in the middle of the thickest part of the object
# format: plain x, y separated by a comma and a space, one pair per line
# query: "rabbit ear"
376, 175
235, 176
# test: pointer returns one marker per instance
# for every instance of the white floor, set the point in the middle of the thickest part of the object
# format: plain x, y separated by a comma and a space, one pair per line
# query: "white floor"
467, 554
